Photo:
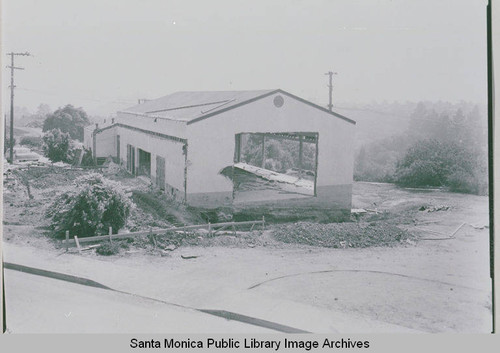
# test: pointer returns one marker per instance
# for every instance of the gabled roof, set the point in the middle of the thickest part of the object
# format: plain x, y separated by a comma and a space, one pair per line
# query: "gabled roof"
191, 107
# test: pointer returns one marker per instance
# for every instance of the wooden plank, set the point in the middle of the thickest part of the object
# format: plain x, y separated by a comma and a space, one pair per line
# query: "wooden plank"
161, 231
185, 152
300, 155
316, 167
66, 243
456, 230
237, 148
221, 228
263, 151
78, 245
308, 137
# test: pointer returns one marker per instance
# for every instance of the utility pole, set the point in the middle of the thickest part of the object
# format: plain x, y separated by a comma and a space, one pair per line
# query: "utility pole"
12, 68
330, 86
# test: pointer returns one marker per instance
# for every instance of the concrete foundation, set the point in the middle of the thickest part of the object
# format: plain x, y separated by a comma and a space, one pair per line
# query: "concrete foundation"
333, 203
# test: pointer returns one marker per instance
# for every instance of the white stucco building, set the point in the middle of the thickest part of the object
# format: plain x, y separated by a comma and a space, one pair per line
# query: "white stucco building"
184, 140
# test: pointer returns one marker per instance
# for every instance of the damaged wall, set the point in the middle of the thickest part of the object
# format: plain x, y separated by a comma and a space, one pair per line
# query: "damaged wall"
212, 142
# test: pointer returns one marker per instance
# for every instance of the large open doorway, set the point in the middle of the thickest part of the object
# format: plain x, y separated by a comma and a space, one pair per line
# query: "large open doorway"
275, 166
144, 163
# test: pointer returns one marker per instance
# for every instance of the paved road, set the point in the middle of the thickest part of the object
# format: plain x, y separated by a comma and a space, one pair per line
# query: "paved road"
36, 304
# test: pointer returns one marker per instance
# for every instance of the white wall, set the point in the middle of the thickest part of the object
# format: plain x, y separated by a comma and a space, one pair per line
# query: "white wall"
106, 143
88, 137
168, 149
164, 126
211, 141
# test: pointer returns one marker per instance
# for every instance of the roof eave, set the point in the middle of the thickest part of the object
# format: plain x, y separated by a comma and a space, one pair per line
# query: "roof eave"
206, 116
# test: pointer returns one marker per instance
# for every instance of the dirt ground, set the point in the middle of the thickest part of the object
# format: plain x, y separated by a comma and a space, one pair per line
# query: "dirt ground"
437, 281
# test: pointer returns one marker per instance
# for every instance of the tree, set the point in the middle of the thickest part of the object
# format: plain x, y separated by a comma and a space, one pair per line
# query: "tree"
56, 146
43, 110
436, 163
67, 119
463, 126
92, 206
31, 141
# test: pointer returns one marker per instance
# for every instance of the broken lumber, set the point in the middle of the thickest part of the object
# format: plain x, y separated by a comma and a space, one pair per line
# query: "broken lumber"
223, 225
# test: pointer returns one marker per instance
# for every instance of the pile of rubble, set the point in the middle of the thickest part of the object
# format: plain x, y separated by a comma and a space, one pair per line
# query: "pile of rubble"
341, 235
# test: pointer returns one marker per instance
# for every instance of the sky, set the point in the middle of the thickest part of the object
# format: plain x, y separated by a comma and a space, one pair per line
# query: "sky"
104, 55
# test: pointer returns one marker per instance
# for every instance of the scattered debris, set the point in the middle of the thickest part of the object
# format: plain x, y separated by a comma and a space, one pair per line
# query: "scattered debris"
411, 242
434, 208
110, 168
479, 226
451, 236
267, 174
90, 247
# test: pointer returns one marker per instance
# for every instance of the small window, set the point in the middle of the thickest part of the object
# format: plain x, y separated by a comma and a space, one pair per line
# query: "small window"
278, 101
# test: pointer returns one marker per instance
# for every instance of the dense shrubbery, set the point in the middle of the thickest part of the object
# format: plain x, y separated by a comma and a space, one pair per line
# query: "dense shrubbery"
90, 208
377, 160
68, 119
57, 146
107, 249
435, 163
443, 146
31, 141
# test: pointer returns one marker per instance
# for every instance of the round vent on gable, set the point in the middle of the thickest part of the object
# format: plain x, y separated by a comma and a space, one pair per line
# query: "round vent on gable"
278, 101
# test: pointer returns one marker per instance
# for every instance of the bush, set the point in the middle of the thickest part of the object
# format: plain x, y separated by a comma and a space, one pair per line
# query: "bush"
435, 163
90, 208
87, 158
377, 161
31, 141
107, 249
471, 183
56, 146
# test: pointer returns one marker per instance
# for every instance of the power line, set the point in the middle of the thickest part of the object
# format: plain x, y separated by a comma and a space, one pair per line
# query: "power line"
118, 101
12, 86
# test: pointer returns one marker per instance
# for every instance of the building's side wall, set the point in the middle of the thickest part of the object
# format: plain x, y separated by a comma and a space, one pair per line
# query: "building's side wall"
105, 143
212, 141
164, 126
171, 151
88, 137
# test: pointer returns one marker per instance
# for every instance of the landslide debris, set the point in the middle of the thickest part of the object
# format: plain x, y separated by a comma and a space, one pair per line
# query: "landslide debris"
341, 235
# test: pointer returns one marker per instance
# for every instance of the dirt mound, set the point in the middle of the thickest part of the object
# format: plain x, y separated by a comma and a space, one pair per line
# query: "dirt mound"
341, 235
155, 209
48, 177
